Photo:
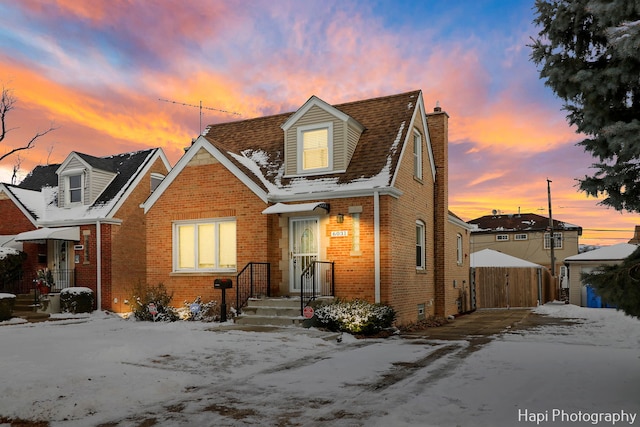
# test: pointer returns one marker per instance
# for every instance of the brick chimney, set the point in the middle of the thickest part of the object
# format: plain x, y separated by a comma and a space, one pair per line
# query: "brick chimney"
438, 126
635, 240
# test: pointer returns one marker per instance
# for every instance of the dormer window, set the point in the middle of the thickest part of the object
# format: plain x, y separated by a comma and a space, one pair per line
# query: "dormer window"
73, 184
319, 139
315, 148
75, 188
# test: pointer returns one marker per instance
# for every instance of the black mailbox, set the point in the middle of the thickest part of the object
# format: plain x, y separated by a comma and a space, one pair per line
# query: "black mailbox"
222, 284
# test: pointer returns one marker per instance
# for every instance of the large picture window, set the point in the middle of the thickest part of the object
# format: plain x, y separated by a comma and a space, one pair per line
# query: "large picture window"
204, 246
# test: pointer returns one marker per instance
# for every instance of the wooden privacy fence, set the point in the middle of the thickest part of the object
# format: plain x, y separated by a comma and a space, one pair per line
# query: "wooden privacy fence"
500, 287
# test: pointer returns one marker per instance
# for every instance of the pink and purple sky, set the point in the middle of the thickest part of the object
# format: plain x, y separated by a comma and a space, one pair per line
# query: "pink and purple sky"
98, 69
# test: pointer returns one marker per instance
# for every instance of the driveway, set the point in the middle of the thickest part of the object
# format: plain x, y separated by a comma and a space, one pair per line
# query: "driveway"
485, 323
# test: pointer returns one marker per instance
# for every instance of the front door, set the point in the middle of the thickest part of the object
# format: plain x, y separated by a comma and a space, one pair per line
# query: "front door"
304, 244
60, 267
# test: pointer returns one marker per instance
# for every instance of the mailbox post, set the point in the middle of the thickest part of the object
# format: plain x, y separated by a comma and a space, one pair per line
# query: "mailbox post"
223, 285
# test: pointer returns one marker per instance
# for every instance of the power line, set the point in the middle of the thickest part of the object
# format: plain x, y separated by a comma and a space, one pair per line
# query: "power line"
605, 230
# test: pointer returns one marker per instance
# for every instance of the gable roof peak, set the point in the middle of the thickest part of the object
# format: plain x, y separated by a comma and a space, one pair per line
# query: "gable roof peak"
314, 101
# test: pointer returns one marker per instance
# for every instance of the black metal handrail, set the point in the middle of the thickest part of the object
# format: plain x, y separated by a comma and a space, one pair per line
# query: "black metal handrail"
317, 279
252, 281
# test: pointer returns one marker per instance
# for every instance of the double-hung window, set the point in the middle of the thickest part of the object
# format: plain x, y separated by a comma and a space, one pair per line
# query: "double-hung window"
557, 240
420, 246
74, 184
203, 246
417, 155
315, 148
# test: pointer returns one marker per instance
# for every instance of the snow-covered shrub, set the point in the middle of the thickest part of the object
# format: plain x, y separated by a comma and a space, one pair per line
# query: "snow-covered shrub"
7, 302
199, 311
76, 300
151, 303
355, 317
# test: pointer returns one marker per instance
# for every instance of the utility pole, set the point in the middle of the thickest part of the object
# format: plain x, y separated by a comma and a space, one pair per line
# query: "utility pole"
200, 107
551, 233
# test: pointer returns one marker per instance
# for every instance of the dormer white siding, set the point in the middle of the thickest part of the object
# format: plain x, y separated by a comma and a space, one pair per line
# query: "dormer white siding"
93, 181
343, 133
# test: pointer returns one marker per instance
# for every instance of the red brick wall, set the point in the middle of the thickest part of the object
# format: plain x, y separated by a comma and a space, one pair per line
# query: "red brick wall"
354, 272
14, 222
407, 287
201, 191
127, 250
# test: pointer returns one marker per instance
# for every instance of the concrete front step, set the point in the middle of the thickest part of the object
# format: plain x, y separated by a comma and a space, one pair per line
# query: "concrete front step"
25, 302
256, 320
283, 311
292, 302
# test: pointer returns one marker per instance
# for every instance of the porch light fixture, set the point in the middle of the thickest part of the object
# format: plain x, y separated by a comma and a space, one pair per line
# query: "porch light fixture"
340, 218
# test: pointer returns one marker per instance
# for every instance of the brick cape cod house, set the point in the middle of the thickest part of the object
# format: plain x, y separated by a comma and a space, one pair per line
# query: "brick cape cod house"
344, 200
82, 220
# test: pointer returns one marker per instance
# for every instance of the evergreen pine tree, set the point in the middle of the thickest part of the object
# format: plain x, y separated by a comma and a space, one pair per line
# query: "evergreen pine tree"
588, 53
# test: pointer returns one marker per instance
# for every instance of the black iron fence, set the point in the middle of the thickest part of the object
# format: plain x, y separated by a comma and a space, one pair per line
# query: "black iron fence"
253, 281
317, 280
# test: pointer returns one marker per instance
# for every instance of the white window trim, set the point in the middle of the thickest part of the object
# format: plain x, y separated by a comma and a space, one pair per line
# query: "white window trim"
417, 155
300, 148
459, 248
502, 237
521, 236
175, 246
422, 244
547, 240
67, 190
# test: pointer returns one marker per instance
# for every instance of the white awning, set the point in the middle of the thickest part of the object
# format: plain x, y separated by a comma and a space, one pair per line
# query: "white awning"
280, 208
61, 233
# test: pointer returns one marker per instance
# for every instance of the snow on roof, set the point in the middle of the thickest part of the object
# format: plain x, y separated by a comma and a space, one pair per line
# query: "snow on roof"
607, 253
43, 205
30, 199
256, 160
491, 258
7, 251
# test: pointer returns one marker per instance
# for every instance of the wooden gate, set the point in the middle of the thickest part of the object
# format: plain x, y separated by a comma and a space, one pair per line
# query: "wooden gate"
502, 287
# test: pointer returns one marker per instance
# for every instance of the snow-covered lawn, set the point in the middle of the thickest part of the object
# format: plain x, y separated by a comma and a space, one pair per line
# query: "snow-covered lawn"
101, 369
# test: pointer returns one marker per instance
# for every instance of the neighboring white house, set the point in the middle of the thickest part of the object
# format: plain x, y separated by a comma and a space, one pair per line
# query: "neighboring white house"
581, 293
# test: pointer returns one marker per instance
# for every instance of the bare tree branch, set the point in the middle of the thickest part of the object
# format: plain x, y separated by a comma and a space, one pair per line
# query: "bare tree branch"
7, 103
16, 169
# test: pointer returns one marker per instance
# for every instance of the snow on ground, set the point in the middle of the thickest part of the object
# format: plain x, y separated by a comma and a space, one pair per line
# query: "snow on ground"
100, 369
